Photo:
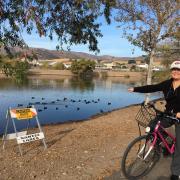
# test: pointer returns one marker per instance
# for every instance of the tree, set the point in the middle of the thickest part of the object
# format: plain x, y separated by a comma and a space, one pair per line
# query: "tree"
146, 23
82, 67
59, 66
70, 21
170, 51
15, 69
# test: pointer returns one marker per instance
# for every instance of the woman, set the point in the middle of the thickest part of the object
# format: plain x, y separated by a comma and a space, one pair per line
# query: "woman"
171, 91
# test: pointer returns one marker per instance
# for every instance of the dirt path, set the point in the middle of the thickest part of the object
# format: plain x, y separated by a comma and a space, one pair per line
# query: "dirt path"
161, 171
86, 150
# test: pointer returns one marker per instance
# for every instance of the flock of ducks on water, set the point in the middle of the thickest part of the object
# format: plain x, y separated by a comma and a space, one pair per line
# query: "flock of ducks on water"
57, 103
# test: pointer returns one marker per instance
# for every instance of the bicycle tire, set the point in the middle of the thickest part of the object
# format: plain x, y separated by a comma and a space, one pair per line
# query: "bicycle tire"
145, 165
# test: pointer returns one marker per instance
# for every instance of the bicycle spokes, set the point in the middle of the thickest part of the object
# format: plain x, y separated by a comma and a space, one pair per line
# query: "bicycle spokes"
139, 157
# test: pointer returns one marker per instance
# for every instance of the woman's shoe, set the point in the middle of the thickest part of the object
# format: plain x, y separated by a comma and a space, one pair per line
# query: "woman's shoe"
174, 177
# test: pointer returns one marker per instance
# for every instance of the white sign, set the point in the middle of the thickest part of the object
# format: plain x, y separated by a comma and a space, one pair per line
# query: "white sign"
30, 137
13, 135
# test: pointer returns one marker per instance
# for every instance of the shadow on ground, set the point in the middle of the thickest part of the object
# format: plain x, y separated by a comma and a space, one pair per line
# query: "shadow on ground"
161, 171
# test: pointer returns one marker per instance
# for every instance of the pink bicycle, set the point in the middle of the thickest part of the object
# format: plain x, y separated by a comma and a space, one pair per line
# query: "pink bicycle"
144, 151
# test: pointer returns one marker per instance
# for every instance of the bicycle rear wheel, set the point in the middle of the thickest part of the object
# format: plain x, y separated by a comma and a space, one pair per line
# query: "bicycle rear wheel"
134, 164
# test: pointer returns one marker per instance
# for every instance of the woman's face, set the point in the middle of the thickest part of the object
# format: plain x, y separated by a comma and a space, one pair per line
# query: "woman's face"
175, 73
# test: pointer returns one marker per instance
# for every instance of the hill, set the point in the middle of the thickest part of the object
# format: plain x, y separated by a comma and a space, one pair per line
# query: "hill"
46, 54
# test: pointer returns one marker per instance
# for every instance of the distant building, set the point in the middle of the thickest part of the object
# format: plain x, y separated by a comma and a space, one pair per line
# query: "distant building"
108, 64
52, 63
143, 66
67, 64
131, 61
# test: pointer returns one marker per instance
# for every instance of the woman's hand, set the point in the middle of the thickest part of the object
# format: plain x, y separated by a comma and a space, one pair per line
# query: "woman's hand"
131, 89
178, 115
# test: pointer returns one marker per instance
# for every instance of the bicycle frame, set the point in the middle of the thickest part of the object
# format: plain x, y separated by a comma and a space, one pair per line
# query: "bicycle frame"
156, 133
165, 142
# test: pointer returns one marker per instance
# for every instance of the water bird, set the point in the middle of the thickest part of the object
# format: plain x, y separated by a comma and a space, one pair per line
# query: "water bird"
39, 110
45, 107
37, 102
65, 99
30, 103
98, 99
79, 100
52, 102
42, 98
44, 103
78, 108
58, 100
95, 102
29, 106
32, 97
101, 111
57, 108
72, 100
66, 106
109, 103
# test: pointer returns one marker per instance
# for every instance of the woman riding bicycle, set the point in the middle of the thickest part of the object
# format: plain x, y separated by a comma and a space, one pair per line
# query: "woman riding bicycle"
171, 91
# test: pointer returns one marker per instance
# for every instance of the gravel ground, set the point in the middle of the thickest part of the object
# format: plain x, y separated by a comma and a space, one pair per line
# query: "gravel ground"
87, 150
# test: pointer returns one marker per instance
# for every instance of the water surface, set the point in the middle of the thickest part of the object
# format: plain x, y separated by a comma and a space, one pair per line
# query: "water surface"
65, 99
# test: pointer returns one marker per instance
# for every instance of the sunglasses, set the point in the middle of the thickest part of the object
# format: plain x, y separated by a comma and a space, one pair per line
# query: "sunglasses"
175, 69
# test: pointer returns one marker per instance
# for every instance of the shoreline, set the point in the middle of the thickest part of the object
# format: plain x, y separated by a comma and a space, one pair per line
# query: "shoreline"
91, 117
109, 73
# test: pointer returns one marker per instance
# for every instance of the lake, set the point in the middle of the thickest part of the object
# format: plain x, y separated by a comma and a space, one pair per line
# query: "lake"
64, 99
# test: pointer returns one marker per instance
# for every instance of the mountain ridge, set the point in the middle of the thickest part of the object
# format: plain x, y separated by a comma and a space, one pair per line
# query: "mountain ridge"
46, 54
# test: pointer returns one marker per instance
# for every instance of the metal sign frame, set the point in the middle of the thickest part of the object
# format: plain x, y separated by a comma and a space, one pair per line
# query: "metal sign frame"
22, 137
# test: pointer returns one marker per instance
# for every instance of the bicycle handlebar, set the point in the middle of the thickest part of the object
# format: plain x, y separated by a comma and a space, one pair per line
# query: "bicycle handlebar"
165, 114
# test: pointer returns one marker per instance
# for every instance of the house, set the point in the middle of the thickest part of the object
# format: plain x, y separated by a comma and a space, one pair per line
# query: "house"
107, 65
67, 64
142, 66
131, 61
52, 63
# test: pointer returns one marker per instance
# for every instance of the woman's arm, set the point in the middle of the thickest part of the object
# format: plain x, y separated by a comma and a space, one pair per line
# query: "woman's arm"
149, 88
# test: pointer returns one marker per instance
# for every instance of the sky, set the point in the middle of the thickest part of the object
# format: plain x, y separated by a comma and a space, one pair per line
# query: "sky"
111, 43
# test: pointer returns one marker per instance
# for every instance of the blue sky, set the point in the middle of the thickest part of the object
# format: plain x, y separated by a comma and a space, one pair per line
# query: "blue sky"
111, 43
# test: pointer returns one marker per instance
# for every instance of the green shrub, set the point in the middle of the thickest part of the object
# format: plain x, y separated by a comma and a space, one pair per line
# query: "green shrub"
59, 66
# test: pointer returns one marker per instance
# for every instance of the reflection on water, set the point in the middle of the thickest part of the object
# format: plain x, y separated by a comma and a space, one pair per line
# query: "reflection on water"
61, 99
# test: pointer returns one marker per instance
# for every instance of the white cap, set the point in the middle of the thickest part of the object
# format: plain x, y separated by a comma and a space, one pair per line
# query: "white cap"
175, 64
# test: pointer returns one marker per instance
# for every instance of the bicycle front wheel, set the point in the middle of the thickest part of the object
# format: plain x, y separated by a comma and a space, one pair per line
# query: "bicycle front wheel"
139, 158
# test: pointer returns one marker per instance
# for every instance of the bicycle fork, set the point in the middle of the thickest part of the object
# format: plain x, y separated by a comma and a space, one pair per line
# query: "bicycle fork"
142, 150
146, 155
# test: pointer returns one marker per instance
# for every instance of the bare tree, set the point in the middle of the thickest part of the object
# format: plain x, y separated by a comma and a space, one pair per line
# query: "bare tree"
147, 23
